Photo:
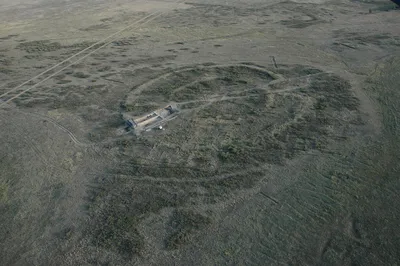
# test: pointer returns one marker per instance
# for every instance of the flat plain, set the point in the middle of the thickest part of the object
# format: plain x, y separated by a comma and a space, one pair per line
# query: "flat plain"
285, 149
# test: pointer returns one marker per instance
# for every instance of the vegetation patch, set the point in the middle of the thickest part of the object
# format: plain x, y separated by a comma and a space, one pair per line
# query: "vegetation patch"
3, 192
81, 75
39, 46
184, 223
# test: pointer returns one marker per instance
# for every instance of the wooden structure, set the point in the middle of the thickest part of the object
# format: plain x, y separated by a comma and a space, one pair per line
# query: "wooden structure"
152, 120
